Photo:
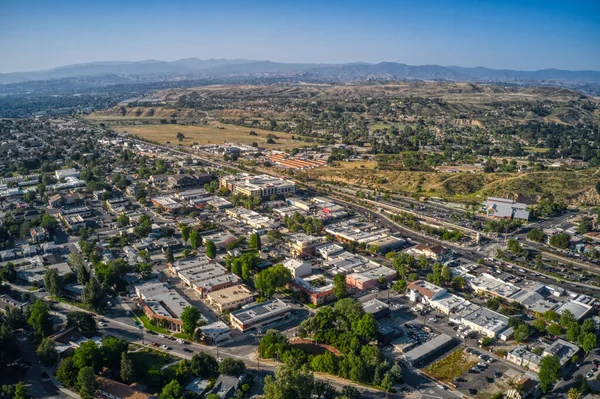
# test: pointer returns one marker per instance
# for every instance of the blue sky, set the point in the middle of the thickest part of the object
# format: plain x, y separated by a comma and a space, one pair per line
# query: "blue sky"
512, 34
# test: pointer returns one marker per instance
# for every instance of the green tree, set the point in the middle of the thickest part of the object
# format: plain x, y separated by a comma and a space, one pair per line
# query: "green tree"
566, 318
77, 263
190, 318
83, 321
536, 234
290, 383
560, 240
39, 319
549, 372
254, 241
204, 365
366, 327
539, 325
211, 249
273, 344
554, 329
21, 391
127, 369
269, 280
172, 390
88, 354
92, 294
185, 232
86, 379
195, 239
67, 372
339, 286
48, 222
112, 350
53, 283
123, 220
169, 255
231, 366
514, 246
47, 353
522, 332
589, 342
400, 286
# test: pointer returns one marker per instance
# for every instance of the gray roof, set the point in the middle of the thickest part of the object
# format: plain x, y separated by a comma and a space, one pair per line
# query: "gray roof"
428, 348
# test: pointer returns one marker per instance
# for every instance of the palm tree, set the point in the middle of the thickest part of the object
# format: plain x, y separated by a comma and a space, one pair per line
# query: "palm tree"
574, 393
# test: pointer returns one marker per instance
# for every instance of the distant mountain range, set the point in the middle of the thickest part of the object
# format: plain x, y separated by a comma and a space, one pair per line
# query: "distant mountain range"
194, 68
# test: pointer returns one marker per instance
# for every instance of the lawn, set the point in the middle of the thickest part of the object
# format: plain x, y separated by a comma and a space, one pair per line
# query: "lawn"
450, 367
213, 133
150, 326
152, 359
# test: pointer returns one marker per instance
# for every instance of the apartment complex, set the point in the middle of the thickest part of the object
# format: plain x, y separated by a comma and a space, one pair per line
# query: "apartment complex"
257, 185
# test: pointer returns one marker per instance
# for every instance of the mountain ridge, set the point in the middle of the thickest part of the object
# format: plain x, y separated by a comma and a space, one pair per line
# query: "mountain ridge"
219, 68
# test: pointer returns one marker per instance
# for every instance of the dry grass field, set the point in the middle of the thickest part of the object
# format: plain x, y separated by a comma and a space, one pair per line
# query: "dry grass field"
573, 187
213, 133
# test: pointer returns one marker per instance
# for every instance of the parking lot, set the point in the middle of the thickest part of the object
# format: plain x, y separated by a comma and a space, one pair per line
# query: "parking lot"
495, 377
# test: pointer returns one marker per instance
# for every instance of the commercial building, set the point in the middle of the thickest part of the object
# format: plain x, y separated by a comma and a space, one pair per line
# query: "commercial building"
433, 348
424, 291
354, 230
220, 238
297, 267
579, 308
257, 186
522, 356
328, 250
230, 298
161, 303
259, 315
166, 202
303, 245
486, 322
377, 308
191, 195
436, 252
216, 332
369, 275
64, 173
317, 287
203, 275
502, 208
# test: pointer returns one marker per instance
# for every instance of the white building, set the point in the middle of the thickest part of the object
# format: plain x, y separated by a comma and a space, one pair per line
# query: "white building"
298, 267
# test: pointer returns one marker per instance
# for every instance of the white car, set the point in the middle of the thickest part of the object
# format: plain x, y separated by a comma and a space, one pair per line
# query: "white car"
102, 324
165, 347
180, 340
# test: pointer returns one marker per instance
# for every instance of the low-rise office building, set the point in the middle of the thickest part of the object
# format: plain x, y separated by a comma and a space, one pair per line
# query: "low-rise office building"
161, 303
216, 332
203, 274
486, 322
259, 315
230, 298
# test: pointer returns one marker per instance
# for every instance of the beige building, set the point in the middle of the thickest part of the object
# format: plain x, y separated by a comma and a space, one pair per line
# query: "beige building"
230, 298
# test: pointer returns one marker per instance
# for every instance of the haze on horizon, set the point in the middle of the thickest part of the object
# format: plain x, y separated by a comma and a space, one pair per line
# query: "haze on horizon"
511, 34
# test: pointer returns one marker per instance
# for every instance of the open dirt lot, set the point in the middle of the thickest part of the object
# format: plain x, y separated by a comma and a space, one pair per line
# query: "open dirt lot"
213, 133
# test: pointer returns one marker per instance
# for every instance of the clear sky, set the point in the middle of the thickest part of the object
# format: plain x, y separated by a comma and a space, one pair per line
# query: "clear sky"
514, 34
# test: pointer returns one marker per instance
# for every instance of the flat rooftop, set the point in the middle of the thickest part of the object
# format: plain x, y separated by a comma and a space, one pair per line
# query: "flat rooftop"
259, 311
